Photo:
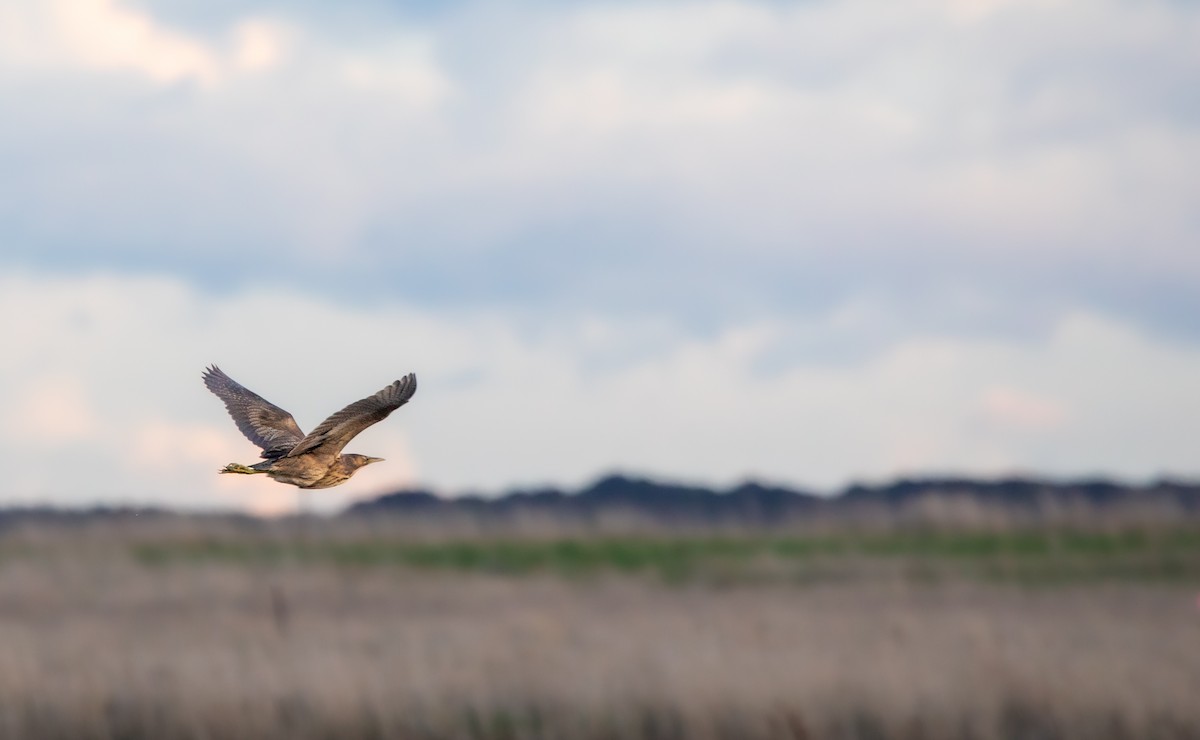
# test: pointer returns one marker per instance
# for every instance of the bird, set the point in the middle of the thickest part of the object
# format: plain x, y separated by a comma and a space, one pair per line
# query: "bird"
290, 456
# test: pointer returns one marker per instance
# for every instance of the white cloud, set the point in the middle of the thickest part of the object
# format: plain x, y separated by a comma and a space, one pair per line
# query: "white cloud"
259, 45
109, 36
1011, 406
102, 36
972, 141
52, 410
784, 239
559, 401
105, 35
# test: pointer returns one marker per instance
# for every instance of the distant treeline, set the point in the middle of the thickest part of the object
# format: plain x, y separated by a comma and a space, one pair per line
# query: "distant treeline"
624, 503
952, 501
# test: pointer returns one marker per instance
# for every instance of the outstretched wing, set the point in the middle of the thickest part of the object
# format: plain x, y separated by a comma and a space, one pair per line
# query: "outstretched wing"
263, 423
334, 433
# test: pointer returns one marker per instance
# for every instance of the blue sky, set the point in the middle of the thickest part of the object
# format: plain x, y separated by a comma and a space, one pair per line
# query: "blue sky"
807, 242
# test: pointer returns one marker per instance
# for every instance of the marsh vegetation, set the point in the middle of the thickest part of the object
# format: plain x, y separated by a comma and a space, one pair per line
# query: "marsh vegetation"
161, 630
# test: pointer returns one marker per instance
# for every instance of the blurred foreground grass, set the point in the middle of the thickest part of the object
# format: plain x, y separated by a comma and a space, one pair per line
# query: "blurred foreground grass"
309, 630
1032, 557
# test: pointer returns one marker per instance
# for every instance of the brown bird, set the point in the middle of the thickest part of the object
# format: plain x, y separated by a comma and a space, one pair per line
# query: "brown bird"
290, 456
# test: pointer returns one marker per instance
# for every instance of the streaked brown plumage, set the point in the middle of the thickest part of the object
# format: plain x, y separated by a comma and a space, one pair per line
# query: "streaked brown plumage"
290, 456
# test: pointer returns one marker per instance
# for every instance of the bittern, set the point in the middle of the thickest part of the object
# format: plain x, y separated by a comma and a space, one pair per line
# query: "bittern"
290, 456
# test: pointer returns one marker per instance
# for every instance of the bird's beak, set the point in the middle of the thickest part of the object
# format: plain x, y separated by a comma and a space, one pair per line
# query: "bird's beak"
374, 460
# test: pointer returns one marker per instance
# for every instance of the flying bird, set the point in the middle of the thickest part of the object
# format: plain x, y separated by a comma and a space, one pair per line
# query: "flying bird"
314, 460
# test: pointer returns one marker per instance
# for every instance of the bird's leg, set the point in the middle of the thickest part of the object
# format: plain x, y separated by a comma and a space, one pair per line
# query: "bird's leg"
239, 468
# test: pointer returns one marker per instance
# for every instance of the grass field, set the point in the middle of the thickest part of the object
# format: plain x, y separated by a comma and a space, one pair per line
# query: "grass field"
1015, 556
157, 632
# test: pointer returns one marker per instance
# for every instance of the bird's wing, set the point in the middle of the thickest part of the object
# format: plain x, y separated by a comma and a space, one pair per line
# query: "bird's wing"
334, 433
263, 423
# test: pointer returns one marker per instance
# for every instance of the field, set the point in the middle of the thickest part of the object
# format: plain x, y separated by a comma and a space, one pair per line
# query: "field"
317, 630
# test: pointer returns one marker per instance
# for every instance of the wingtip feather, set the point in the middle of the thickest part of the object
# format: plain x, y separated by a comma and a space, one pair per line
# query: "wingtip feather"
212, 376
406, 387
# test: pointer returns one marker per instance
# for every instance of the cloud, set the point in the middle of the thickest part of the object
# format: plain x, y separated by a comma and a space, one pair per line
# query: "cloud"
52, 410
770, 158
106, 37
1011, 406
812, 241
559, 400
259, 45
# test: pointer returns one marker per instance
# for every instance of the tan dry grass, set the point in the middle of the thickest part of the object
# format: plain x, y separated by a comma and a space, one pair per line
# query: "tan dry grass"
96, 646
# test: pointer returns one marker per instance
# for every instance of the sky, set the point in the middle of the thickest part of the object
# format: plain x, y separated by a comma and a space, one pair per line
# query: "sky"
806, 243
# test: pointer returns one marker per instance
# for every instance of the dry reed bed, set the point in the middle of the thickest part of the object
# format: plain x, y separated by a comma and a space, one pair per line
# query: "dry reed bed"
96, 645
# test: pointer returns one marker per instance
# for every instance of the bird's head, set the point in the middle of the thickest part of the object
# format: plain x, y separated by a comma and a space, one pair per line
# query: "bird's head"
354, 462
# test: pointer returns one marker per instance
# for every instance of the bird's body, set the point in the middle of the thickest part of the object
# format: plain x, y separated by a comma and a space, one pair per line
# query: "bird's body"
289, 456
